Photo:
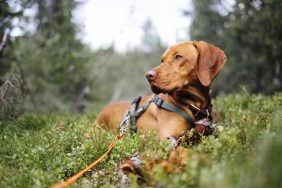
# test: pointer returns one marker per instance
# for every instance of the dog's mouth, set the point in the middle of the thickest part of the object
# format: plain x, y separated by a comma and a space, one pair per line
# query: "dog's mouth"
158, 89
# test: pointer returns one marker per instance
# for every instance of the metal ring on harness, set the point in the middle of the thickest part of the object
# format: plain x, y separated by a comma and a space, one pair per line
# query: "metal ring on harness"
124, 124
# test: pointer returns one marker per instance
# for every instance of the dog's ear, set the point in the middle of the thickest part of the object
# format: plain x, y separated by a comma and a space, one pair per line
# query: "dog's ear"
210, 62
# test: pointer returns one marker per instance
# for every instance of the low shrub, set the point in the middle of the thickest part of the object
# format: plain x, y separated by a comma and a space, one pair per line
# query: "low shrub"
38, 150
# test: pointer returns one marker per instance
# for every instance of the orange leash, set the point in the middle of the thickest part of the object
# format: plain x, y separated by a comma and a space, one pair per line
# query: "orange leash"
79, 174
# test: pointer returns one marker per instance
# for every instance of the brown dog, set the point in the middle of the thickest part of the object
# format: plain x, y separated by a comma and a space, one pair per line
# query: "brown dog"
183, 78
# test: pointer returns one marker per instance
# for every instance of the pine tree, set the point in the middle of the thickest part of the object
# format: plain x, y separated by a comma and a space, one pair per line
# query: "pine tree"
249, 32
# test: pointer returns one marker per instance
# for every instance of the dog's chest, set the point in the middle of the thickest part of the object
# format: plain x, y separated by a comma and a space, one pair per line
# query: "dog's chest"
165, 123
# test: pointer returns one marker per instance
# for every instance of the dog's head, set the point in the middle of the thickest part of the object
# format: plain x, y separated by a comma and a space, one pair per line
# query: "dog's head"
185, 64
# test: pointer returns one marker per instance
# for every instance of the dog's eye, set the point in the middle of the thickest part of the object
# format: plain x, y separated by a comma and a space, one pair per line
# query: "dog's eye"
178, 57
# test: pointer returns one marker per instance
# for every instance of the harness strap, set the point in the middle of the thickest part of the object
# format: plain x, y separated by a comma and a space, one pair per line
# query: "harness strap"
134, 113
170, 107
201, 113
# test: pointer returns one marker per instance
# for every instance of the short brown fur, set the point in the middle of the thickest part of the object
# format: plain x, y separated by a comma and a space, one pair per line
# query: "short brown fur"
184, 77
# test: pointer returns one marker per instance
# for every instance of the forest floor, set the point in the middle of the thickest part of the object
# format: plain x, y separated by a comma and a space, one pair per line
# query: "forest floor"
39, 150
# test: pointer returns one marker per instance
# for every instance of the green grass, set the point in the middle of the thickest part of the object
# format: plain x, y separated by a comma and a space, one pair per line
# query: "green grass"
38, 150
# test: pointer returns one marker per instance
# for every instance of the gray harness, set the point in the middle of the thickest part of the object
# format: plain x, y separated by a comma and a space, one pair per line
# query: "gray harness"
135, 113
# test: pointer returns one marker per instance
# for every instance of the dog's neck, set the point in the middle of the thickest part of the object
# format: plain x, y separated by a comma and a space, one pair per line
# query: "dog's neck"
195, 94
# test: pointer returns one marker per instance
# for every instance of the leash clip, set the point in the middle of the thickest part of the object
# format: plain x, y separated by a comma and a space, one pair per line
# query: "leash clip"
124, 124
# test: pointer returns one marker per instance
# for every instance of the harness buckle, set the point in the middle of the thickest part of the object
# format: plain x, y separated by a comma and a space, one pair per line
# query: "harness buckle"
158, 101
139, 111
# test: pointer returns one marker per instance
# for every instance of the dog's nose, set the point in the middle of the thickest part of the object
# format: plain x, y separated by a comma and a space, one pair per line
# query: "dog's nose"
151, 75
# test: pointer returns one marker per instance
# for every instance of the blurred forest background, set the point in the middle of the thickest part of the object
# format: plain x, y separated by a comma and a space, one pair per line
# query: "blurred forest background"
51, 69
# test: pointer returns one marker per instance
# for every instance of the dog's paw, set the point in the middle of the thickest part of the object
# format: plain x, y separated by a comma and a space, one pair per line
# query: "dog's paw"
131, 166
